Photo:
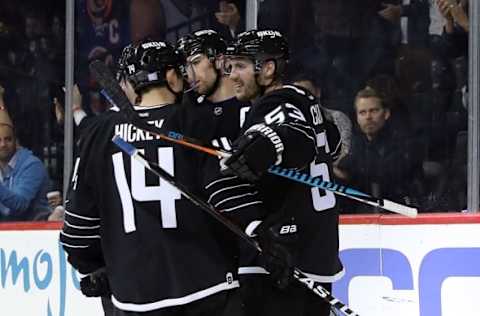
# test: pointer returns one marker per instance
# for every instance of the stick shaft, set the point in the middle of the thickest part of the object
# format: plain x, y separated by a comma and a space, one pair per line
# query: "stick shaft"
311, 284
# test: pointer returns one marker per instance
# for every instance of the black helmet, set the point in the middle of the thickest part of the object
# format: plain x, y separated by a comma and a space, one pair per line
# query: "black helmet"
147, 62
206, 42
122, 61
260, 45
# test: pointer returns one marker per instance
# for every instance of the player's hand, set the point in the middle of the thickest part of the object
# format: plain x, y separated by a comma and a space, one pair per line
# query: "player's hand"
279, 243
95, 284
253, 154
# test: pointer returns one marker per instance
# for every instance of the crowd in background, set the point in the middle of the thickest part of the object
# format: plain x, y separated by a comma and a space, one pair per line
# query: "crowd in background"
393, 74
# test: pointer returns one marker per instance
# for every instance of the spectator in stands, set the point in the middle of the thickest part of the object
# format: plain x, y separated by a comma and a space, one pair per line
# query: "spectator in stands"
455, 12
351, 41
447, 150
413, 55
231, 15
383, 161
23, 177
290, 18
456, 27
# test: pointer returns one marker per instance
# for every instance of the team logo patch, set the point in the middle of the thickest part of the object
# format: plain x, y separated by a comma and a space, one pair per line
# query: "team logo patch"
229, 278
217, 111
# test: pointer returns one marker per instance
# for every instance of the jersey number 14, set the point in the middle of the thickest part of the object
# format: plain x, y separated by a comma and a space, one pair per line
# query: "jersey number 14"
164, 193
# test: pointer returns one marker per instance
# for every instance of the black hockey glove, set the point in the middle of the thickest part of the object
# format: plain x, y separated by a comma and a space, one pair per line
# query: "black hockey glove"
254, 152
279, 242
95, 284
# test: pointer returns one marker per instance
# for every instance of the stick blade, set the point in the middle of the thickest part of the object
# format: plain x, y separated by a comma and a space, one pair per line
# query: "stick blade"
123, 145
399, 208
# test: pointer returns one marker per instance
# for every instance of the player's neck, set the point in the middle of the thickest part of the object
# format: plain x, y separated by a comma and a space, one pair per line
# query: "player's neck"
224, 91
274, 86
157, 96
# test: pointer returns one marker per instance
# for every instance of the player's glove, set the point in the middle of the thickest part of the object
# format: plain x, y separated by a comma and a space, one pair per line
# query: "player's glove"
279, 242
95, 284
254, 152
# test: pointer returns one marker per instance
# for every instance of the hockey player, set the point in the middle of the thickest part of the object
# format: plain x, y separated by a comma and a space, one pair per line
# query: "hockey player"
163, 255
213, 104
215, 116
285, 127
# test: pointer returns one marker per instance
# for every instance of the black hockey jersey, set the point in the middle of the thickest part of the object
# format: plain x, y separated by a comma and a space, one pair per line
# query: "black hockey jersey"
309, 143
218, 124
159, 249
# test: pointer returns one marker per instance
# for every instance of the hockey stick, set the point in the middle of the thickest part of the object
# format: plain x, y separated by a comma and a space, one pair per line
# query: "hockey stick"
316, 182
343, 191
114, 94
311, 284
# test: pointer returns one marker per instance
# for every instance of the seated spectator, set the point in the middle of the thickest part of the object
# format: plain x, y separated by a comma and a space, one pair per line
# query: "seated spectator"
383, 161
23, 178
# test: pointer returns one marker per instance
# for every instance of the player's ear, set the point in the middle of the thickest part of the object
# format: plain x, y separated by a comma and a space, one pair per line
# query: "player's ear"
174, 80
220, 63
268, 72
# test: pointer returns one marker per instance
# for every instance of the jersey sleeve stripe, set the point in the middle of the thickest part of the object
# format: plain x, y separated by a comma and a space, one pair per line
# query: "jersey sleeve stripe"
219, 180
73, 246
77, 241
80, 227
228, 188
235, 197
79, 236
241, 206
82, 217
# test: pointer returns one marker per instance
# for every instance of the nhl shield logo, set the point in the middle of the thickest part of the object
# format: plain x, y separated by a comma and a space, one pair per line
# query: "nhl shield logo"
217, 110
